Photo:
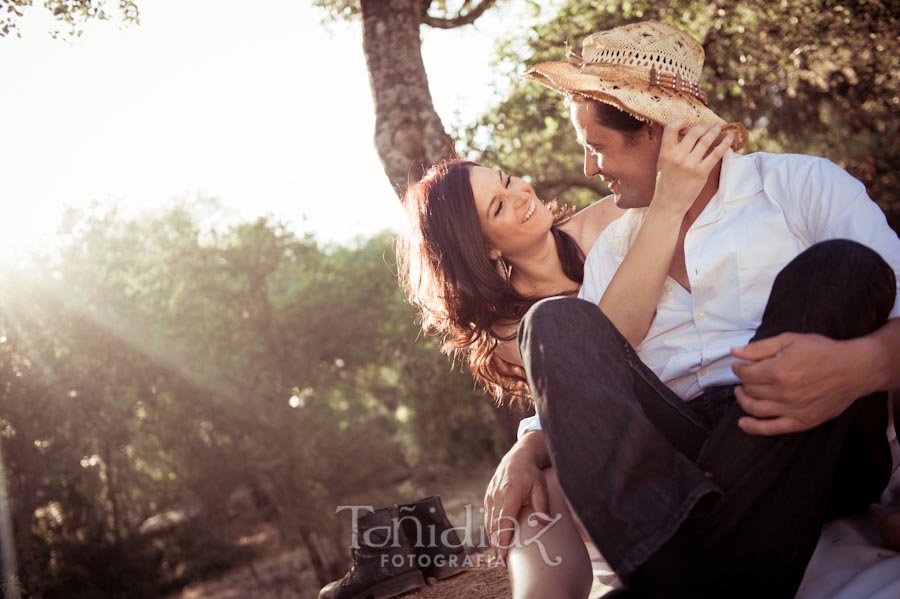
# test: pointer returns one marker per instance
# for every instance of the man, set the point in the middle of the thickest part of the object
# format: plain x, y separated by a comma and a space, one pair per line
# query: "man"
704, 463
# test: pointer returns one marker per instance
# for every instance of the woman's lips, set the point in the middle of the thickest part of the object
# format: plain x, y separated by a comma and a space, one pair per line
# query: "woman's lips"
530, 212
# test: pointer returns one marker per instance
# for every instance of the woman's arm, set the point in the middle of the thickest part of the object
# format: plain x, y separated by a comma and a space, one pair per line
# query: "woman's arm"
632, 295
508, 349
630, 299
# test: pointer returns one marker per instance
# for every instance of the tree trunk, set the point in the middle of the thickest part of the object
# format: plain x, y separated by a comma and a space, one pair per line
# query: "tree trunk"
409, 135
112, 491
8, 563
23, 506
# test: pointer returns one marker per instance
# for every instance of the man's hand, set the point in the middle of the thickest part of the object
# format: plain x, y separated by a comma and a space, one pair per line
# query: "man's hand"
794, 382
517, 482
684, 164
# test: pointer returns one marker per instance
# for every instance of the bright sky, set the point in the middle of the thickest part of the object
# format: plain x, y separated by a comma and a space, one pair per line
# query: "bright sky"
264, 108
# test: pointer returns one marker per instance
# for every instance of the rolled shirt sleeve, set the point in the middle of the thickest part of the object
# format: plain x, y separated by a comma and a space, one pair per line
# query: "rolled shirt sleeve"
526, 425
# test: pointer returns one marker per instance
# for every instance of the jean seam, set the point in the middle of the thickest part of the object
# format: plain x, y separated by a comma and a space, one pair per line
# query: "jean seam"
651, 544
630, 356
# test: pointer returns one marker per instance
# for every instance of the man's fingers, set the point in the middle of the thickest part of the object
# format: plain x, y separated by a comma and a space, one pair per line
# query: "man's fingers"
670, 131
755, 373
760, 350
706, 140
718, 152
763, 391
771, 426
692, 136
755, 406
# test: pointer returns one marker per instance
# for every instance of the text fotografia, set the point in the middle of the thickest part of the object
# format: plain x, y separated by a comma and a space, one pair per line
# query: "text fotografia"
471, 534
465, 560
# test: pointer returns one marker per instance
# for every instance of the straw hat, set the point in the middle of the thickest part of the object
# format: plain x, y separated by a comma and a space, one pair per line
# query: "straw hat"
650, 70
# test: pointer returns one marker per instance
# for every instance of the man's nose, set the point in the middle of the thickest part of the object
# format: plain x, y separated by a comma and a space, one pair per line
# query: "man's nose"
591, 164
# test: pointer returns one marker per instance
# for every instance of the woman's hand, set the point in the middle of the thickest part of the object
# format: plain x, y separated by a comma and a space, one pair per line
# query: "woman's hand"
517, 482
684, 164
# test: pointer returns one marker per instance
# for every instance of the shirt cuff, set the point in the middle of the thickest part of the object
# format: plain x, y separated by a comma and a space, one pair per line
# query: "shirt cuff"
532, 423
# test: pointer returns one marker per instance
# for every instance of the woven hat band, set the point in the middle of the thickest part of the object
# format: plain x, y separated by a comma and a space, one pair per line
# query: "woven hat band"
654, 77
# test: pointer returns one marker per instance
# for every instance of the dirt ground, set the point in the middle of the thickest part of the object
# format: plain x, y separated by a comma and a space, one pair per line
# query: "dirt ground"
285, 574
278, 579
482, 582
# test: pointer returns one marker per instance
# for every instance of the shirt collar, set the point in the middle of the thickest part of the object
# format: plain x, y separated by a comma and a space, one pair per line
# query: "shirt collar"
739, 177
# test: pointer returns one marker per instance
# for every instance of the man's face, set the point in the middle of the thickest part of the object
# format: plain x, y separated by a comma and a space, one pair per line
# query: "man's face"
628, 165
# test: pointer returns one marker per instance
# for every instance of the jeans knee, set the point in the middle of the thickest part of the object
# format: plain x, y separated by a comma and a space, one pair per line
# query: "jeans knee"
545, 315
838, 288
845, 256
844, 263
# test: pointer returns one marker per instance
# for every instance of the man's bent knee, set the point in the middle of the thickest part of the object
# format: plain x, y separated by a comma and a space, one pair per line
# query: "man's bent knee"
559, 317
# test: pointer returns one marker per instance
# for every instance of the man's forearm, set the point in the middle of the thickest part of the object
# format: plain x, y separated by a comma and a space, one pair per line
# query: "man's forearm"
534, 445
880, 351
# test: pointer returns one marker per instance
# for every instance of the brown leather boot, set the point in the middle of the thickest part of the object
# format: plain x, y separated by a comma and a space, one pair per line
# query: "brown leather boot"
439, 552
383, 565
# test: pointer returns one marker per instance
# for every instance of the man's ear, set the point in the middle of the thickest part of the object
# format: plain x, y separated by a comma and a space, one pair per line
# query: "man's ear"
654, 131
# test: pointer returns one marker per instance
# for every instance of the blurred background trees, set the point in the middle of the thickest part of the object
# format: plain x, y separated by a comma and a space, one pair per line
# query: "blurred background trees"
165, 380
156, 371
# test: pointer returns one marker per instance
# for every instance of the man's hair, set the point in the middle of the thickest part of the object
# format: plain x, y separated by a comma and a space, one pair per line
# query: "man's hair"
608, 115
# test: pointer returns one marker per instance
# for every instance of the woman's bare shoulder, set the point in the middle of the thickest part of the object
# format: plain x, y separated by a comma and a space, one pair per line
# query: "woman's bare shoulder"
587, 224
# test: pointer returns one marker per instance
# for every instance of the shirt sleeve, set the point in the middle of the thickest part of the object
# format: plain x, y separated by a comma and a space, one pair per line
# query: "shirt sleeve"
828, 203
526, 425
599, 268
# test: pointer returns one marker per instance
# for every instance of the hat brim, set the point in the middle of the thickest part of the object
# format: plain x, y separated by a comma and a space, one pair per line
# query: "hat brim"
628, 91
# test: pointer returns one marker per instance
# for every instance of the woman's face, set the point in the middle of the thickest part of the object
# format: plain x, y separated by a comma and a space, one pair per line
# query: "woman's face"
512, 217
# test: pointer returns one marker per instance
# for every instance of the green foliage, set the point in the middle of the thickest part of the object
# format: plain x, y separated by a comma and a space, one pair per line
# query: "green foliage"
73, 13
156, 370
818, 77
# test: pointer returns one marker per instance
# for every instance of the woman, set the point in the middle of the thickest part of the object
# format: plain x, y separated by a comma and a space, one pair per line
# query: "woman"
482, 249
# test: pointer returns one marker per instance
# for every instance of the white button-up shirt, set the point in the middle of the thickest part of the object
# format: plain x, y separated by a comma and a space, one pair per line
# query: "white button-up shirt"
767, 210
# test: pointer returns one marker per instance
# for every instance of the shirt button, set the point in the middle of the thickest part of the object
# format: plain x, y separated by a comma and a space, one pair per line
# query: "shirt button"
701, 315
704, 371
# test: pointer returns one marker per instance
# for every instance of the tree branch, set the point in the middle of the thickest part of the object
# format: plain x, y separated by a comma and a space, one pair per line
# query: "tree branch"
460, 19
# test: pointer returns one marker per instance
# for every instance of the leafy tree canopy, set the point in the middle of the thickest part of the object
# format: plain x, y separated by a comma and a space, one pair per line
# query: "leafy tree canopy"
818, 77
70, 12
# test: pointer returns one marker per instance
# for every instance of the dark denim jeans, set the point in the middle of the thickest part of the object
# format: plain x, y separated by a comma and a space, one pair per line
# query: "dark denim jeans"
678, 499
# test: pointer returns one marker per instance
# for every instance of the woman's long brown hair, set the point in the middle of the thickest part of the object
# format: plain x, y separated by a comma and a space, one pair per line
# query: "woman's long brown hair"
447, 275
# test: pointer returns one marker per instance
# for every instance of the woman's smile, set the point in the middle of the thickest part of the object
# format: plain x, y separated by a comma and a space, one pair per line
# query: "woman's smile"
530, 211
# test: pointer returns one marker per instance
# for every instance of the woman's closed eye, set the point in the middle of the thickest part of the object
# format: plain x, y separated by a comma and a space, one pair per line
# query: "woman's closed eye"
500, 202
